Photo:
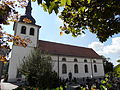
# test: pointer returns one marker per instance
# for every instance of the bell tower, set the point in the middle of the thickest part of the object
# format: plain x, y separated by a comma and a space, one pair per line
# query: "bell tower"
26, 29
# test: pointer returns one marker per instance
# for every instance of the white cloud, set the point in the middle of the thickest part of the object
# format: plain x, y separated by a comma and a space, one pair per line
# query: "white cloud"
83, 35
97, 46
113, 48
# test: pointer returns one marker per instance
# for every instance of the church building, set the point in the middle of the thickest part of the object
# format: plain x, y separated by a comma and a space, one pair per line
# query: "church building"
80, 61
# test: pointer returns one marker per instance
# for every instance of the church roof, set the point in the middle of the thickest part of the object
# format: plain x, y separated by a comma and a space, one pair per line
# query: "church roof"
67, 50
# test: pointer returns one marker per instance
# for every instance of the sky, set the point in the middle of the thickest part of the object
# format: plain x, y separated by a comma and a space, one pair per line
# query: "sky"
50, 31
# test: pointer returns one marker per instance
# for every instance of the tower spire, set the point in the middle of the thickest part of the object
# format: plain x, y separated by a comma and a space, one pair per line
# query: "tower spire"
28, 8
28, 14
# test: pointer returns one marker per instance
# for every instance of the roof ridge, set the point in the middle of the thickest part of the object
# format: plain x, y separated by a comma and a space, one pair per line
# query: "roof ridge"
65, 44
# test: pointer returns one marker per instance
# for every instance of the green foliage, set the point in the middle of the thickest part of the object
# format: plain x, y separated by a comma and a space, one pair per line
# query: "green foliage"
101, 17
36, 88
118, 61
109, 85
108, 67
27, 88
117, 70
103, 81
64, 2
105, 84
37, 68
102, 87
52, 5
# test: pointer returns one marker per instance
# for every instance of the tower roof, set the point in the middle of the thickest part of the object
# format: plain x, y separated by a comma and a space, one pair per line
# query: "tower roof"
28, 15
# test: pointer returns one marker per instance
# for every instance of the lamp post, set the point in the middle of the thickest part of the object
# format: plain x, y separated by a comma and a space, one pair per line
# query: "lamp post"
3, 52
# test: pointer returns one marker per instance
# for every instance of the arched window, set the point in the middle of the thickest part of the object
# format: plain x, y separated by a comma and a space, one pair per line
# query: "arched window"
23, 30
64, 69
86, 68
85, 60
94, 61
95, 68
75, 60
75, 68
32, 30
63, 59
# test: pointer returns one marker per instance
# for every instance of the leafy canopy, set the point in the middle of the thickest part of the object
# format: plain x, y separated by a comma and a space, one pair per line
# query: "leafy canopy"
117, 70
100, 17
118, 61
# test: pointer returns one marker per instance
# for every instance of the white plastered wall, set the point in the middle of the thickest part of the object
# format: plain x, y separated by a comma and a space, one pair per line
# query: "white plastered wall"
19, 52
81, 72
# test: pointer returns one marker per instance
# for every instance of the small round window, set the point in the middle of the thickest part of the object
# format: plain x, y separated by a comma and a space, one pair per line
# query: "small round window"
94, 61
85, 60
63, 59
75, 60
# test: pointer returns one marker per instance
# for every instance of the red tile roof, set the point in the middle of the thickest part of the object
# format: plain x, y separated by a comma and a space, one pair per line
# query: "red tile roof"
67, 50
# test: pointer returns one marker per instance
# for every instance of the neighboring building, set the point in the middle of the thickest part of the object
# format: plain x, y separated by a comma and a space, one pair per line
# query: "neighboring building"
80, 61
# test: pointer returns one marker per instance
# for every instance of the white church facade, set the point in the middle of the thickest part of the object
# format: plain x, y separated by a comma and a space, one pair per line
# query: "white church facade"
80, 61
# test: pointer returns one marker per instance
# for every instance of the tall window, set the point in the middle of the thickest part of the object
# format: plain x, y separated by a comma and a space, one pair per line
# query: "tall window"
23, 30
64, 69
63, 59
75, 68
32, 31
75, 60
86, 68
95, 68
85, 60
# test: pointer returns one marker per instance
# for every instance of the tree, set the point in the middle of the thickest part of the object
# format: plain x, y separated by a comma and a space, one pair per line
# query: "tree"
7, 14
37, 68
100, 17
117, 70
118, 61
108, 66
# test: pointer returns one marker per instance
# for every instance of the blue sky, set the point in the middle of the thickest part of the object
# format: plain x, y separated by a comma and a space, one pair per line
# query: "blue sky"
50, 32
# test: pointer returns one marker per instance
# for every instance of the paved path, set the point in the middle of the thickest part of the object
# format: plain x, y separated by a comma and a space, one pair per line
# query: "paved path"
7, 86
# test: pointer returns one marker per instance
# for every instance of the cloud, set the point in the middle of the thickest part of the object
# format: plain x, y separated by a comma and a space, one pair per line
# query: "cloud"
83, 35
113, 48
